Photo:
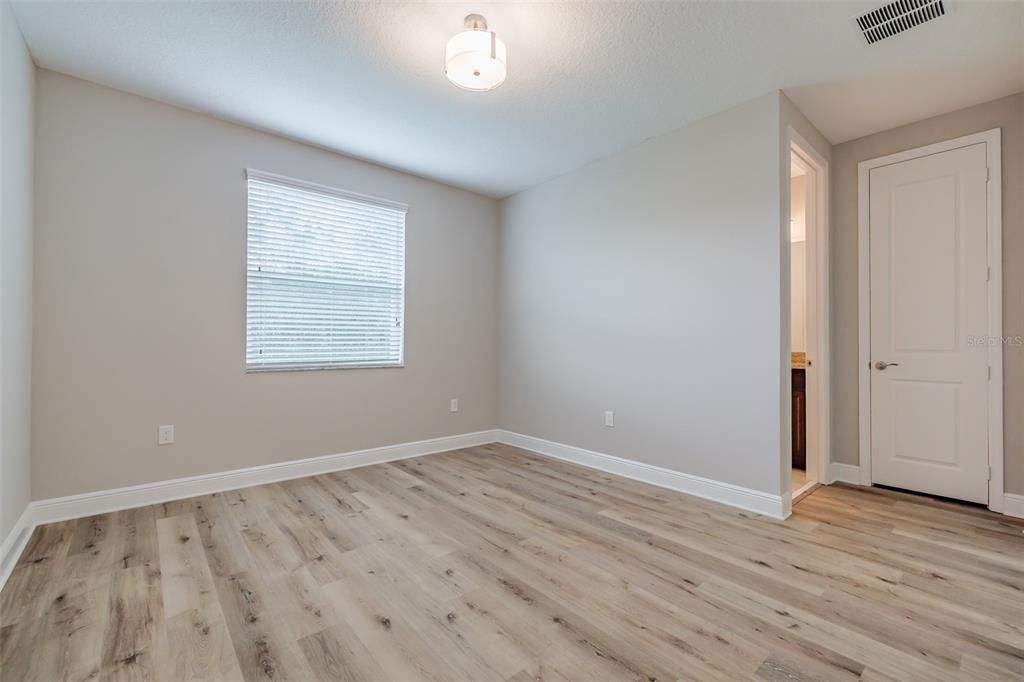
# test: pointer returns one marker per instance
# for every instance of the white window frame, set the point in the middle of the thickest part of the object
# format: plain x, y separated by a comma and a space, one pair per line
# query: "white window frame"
344, 194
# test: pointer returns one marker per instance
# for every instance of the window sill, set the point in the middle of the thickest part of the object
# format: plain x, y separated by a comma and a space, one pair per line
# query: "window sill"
322, 368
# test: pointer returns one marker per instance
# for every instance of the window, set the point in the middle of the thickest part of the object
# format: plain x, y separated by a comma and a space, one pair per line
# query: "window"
325, 276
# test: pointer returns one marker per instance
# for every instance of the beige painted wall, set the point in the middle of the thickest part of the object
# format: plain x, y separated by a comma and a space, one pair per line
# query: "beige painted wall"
17, 97
140, 305
647, 283
140, 289
1006, 113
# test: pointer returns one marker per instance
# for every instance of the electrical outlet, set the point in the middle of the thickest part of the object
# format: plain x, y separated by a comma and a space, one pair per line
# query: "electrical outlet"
454, 407
609, 418
165, 435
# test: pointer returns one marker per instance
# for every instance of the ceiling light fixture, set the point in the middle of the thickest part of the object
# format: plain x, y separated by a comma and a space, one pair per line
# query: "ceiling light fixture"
475, 59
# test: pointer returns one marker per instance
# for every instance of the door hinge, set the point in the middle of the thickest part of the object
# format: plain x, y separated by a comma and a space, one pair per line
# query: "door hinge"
990, 473
990, 372
988, 174
988, 274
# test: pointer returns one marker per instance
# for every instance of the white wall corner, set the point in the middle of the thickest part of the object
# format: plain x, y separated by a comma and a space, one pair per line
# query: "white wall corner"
14, 544
843, 473
1013, 505
756, 501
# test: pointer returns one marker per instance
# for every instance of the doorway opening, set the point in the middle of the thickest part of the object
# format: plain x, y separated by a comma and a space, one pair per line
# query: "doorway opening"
801, 482
807, 462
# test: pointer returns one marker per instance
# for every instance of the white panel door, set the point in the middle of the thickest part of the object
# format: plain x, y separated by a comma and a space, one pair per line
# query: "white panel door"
929, 384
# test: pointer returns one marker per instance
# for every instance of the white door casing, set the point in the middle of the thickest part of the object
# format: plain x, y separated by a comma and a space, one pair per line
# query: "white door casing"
929, 408
818, 379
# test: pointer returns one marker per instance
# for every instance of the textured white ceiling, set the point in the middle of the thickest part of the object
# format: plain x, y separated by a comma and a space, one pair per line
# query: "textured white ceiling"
585, 79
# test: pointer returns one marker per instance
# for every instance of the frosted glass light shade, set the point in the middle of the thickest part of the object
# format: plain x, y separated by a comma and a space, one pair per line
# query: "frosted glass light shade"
475, 60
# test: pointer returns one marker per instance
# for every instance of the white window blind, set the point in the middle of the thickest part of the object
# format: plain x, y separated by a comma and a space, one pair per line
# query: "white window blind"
325, 277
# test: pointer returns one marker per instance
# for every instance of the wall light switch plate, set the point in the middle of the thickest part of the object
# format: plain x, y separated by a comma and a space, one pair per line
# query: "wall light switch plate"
165, 435
454, 407
609, 418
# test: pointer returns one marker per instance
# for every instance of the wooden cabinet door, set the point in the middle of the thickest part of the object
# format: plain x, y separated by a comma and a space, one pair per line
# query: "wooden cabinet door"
799, 420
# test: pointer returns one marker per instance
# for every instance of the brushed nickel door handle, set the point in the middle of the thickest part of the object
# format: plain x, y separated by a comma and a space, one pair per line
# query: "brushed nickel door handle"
882, 364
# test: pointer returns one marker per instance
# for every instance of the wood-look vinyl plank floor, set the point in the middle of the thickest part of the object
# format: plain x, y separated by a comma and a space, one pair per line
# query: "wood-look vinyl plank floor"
493, 563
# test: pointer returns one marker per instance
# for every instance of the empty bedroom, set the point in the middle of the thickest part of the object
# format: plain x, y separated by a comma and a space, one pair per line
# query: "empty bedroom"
398, 341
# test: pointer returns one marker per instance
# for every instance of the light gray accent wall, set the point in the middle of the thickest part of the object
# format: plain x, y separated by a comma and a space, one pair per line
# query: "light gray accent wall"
1006, 113
648, 283
140, 302
17, 101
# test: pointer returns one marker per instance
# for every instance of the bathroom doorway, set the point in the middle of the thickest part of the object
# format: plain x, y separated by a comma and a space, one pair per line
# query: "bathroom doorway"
808, 244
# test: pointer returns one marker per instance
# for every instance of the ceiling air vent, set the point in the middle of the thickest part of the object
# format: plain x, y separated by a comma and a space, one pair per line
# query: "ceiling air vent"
897, 17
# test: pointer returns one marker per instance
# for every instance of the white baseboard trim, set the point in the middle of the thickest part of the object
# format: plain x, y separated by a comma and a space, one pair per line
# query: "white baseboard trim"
844, 473
105, 501
717, 491
1013, 505
14, 544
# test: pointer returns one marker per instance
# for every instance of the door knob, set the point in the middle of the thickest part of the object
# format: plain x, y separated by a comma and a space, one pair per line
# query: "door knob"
882, 364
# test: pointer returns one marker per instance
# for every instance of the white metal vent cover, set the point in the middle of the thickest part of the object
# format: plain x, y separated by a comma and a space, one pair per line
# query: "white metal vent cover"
897, 17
